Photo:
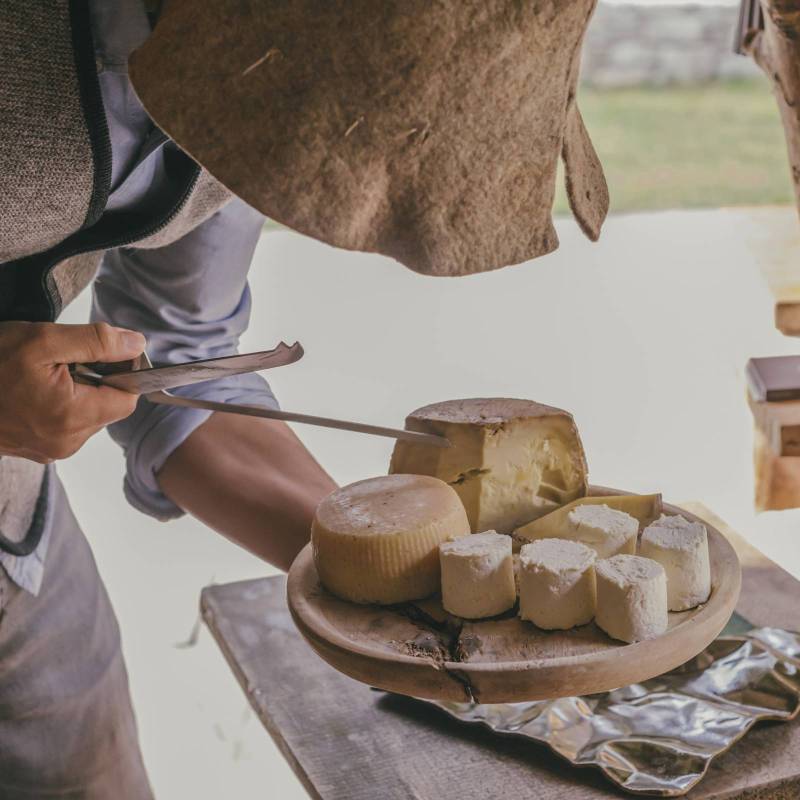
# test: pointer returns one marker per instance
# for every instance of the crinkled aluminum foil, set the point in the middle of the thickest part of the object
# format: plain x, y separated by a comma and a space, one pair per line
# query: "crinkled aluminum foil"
658, 737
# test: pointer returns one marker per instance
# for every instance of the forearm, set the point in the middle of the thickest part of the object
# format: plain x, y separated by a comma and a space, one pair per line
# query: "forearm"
252, 480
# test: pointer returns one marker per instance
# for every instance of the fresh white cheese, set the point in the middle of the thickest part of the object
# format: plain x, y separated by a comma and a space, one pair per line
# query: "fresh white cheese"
510, 460
557, 583
644, 507
377, 541
477, 575
607, 531
681, 547
631, 598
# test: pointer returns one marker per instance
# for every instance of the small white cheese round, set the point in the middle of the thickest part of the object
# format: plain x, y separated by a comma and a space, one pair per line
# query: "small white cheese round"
477, 575
631, 598
681, 547
607, 531
557, 583
377, 541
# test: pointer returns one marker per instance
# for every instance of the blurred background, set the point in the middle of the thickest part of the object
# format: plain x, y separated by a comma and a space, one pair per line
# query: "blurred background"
643, 336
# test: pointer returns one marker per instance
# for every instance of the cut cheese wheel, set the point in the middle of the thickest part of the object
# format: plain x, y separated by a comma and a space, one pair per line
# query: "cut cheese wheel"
631, 598
681, 547
477, 575
644, 507
510, 461
377, 541
557, 584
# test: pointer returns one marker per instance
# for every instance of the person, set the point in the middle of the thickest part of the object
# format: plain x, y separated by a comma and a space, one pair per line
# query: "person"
88, 184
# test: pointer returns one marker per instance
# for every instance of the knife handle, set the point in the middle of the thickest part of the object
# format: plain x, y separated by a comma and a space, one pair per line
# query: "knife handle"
93, 374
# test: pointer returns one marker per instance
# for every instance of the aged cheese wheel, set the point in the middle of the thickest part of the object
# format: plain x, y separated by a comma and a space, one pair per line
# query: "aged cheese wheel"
477, 575
377, 540
510, 461
631, 598
557, 583
681, 547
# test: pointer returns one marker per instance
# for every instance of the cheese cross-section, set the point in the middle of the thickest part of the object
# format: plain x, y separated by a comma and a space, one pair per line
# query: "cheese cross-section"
557, 583
477, 575
631, 598
681, 547
510, 460
377, 540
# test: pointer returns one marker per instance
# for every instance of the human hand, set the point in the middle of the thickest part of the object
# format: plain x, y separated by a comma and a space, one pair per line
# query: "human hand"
44, 414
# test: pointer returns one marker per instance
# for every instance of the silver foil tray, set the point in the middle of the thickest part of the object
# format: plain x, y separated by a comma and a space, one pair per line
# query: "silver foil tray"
659, 737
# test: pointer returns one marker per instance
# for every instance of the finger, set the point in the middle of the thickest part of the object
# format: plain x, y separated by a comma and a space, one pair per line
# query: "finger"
98, 406
67, 344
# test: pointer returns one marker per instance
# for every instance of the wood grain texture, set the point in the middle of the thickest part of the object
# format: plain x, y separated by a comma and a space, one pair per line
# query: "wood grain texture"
502, 660
771, 236
346, 742
776, 454
779, 423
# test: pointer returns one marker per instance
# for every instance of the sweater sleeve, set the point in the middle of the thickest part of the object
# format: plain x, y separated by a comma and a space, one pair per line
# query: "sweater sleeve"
192, 301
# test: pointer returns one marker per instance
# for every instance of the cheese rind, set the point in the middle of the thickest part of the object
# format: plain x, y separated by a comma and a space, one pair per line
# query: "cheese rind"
644, 507
377, 540
510, 460
681, 547
557, 584
631, 598
477, 575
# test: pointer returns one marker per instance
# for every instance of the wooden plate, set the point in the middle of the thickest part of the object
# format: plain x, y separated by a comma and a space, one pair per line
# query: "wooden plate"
418, 649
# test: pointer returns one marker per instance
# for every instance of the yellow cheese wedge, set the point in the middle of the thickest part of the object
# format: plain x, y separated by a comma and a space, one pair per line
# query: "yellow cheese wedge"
556, 525
377, 540
510, 461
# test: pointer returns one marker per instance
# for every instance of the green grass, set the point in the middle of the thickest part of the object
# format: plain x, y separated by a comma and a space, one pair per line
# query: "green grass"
716, 144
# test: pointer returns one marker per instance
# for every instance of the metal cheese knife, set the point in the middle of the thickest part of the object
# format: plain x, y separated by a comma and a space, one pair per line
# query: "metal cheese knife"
141, 377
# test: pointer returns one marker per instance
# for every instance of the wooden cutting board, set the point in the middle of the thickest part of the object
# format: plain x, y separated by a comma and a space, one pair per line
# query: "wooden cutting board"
418, 649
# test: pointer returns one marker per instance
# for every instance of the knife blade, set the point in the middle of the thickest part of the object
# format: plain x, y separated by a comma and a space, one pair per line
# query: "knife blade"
432, 439
146, 379
147, 374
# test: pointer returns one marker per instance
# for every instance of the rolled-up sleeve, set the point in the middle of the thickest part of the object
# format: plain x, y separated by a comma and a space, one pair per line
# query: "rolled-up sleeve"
192, 301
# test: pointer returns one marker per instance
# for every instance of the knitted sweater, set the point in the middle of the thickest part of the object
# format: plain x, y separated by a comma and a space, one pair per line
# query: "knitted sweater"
54, 185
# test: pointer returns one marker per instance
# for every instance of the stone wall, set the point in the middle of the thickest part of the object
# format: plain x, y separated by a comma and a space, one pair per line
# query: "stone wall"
630, 44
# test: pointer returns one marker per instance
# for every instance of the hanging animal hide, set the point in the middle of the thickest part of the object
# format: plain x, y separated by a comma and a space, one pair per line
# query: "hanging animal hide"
427, 130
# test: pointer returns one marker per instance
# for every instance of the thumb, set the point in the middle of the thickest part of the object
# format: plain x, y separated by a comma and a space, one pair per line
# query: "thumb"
88, 343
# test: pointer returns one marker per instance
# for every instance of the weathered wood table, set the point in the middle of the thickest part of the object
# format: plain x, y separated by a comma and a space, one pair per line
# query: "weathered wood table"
347, 742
